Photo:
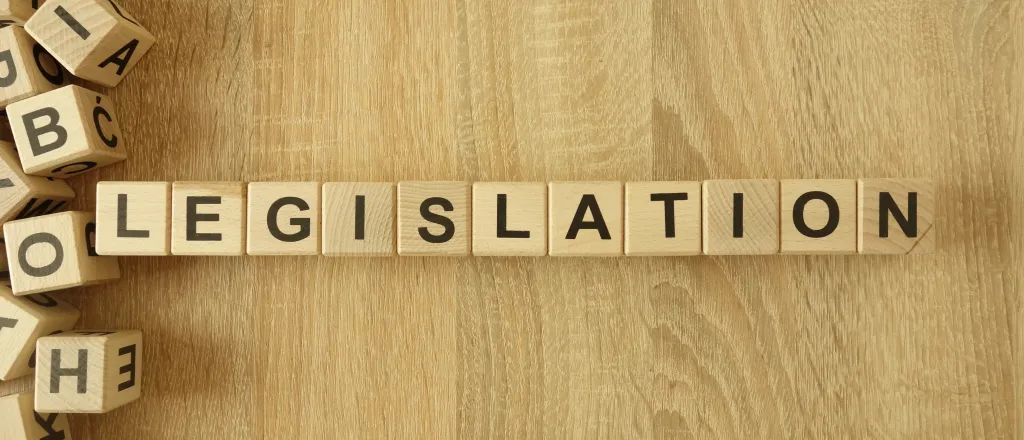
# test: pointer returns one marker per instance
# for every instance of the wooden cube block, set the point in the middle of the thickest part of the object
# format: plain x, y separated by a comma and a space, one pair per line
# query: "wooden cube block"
133, 218
56, 251
585, 219
66, 132
741, 217
284, 218
97, 40
5, 272
23, 196
20, 421
895, 216
663, 218
208, 218
17, 11
818, 216
434, 218
359, 219
28, 70
510, 219
23, 320
88, 371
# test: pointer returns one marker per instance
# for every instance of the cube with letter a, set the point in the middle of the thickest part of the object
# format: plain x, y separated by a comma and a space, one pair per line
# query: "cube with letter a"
97, 40
66, 132
20, 421
88, 371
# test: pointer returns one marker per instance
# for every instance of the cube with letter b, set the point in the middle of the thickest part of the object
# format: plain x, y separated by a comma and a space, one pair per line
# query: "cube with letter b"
28, 69
66, 132
20, 421
133, 218
23, 320
208, 218
434, 218
97, 40
895, 216
283, 218
84, 371
23, 196
56, 251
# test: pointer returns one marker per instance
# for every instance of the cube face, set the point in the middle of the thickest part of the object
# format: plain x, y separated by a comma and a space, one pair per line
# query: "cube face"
19, 421
66, 132
88, 371
510, 219
434, 218
284, 218
818, 216
133, 218
97, 40
585, 219
28, 69
22, 321
895, 216
663, 218
23, 196
56, 251
740, 217
208, 218
359, 219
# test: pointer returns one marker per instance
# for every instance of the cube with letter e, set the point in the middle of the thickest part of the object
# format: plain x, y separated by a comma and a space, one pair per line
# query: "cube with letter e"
208, 218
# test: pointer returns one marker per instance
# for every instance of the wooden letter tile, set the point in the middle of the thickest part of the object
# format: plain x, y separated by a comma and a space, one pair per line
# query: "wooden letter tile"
818, 216
23, 196
56, 251
17, 12
98, 40
208, 218
26, 71
88, 371
23, 319
895, 216
66, 132
20, 421
434, 218
663, 218
741, 217
359, 219
133, 218
585, 219
284, 218
510, 219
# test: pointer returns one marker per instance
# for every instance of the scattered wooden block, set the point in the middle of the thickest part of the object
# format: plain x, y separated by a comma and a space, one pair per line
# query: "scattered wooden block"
88, 371
434, 218
20, 421
585, 219
663, 218
741, 217
208, 218
23, 196
895, 216
56, 251
510, 219
66, 132
818, 216
133, 218
284, 218
359, 219
5, 272
17, 11
23, 320
28, 70
97, 40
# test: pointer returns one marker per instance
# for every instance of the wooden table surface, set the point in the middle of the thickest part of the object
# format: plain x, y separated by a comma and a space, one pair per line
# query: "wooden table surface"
536, 90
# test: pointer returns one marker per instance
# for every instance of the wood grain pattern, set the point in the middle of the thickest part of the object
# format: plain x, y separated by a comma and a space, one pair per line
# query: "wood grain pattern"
486, 90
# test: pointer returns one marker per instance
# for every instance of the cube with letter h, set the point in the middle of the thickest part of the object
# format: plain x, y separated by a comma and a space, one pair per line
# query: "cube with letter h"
66, 132
97, 40
56, 251
20, 421
88, 371
28, 69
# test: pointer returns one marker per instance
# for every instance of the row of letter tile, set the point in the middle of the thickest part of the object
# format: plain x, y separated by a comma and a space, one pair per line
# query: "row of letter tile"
716, 217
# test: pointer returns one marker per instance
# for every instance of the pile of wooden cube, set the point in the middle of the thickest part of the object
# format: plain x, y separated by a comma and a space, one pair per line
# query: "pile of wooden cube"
60, 130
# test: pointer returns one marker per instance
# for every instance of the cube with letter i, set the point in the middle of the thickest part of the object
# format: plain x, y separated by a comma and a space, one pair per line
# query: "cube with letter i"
56, 251
20, 421
97, 40
133, 218
28, 70
510, 219
17, 11
23, 320
208, 218
88, 371
895, 216
66, 132
740, 217
283, 218
434, 218
359, 219
585, 219
23, 196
